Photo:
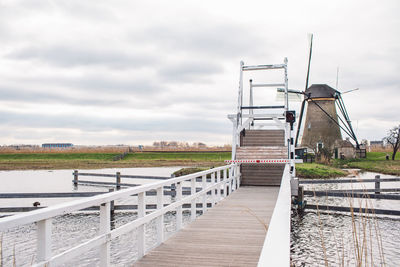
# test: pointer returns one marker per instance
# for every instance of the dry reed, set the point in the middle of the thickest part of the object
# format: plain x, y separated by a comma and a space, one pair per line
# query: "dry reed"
365, 229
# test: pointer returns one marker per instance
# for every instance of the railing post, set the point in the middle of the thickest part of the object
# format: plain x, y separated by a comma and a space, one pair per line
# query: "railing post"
203, 186
141, 229
76, 177
213, 190
193, 202
160, 219
234, 179
218, 187
230, 181
118, 181
377, 184
179, 209
105, 221
43, 240
224, 183
238, 176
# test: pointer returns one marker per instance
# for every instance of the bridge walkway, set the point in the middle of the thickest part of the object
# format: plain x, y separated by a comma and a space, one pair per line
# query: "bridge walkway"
230, 234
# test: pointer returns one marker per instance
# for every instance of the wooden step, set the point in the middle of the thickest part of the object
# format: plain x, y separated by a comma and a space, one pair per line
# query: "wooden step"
262, 174
257, 152
262, 138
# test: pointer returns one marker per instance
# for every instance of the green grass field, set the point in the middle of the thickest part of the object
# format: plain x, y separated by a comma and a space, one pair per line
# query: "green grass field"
21, 161
184, 156
375, 162
58, 156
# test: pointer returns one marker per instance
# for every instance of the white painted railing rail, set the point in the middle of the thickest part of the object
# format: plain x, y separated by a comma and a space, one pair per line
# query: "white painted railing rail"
276, 249
227, 182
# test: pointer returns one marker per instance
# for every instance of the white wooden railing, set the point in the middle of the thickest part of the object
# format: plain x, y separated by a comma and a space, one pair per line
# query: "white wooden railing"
276, 249
220, 186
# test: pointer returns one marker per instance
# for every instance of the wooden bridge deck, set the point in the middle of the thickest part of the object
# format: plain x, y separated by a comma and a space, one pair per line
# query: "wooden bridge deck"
230, 234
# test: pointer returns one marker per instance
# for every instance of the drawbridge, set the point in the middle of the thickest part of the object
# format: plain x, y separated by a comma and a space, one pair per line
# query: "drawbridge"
233, 215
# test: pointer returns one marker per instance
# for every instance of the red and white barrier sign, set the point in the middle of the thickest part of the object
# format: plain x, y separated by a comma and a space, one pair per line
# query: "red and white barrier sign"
258, 161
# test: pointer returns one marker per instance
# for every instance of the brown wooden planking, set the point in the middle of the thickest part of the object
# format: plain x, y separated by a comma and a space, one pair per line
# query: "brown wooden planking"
230, 234
262, 174
262, 138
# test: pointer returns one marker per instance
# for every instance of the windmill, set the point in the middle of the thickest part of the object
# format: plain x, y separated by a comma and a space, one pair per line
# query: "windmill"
322, 121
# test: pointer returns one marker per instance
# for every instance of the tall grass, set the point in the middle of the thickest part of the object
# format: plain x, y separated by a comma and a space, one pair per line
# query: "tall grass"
364, 231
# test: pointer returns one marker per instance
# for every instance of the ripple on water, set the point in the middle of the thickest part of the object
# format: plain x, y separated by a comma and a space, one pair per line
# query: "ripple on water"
329, 238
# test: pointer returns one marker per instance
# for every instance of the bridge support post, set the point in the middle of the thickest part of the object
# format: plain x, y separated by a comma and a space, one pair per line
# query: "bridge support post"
300, 199
105, 227
230, 181
224, 183
112, 207
233, 179
160, 219
219, 187
193, 202
75, 177
44, 240
118, 181
141, 229
237, 176
203, 187
377, 184
213, 197
179, 209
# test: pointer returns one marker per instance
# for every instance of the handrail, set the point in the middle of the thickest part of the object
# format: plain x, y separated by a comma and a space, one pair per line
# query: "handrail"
123, 176
276, 249
228, 182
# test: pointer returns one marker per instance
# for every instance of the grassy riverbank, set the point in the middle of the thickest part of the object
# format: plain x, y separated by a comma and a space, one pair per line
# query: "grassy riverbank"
36, 161
375, 162
315, 170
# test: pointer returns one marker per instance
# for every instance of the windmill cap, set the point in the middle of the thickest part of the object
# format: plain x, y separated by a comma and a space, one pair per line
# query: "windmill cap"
321, 91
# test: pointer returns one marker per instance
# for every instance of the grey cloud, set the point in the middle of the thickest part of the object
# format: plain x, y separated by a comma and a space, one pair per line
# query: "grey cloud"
93, 124
70, 56
11, 93
218, 40
109, 85
190, 71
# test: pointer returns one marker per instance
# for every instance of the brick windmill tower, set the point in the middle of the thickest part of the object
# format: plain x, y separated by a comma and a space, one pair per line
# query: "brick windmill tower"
320, 128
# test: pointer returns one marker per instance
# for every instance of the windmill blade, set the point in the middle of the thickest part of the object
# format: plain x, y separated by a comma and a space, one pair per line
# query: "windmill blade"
348, 91
310, 39
300, 120
290, 91
292, 97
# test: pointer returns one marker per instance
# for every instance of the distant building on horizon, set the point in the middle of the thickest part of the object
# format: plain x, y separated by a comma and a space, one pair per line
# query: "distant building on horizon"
57, 145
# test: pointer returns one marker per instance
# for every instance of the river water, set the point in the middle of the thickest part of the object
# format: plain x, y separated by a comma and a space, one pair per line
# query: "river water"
340, 239
316, 239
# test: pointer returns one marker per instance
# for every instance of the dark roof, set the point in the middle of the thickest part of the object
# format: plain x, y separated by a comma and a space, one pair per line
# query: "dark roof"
320, 91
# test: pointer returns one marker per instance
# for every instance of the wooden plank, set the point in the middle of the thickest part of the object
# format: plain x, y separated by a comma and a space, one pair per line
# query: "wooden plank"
230, 234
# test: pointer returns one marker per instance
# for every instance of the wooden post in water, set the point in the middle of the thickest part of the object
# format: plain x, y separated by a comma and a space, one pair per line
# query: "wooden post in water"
75, 177
173, 187
118, 181
111, 203
300, 199
377, 184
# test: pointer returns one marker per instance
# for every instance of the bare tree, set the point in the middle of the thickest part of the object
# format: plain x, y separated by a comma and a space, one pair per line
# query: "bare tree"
393, 139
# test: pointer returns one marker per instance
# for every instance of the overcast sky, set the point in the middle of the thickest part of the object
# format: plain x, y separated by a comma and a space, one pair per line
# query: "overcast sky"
132, 72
